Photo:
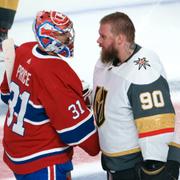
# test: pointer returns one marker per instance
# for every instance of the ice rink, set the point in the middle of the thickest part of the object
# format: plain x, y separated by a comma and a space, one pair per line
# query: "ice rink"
157, 27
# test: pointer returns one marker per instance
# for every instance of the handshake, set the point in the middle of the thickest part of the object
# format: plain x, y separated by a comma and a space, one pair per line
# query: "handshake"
87, 94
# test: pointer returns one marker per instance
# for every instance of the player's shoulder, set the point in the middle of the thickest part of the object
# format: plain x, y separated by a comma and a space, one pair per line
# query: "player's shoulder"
57, 67
143, 67
24, 47
100, 65
28, 44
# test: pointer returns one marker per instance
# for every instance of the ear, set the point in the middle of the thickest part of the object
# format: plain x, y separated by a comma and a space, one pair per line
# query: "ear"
120, 38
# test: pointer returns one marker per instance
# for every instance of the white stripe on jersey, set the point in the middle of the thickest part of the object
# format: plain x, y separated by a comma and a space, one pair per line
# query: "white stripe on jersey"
34, 123
77, 125
25, 158
82, 140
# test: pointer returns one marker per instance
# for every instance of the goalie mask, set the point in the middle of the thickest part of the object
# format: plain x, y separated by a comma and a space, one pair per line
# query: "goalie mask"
54, 33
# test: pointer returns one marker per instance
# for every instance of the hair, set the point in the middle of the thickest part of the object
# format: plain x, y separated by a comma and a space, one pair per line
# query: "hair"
120, 23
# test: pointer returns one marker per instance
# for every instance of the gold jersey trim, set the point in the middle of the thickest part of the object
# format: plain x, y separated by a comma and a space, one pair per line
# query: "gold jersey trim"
156, 122
9, 4
155, 172
174, 144
121, 153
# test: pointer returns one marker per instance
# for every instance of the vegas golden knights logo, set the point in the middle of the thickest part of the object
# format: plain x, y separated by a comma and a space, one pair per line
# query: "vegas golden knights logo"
99, 103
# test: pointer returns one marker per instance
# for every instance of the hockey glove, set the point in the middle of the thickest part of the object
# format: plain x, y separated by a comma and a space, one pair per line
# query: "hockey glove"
156, 170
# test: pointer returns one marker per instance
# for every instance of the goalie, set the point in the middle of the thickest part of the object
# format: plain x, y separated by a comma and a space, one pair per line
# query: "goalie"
132, 106
47, 114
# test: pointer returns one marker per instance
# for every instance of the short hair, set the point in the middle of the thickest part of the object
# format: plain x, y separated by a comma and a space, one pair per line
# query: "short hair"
120, 23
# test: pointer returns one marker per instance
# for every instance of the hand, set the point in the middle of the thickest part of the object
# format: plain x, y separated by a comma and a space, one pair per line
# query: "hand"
87, 94
156, 170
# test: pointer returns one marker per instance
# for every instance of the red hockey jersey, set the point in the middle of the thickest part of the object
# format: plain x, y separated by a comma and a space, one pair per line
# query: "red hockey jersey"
46, 114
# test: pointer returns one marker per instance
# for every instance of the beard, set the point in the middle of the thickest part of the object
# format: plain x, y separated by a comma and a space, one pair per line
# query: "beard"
109, 55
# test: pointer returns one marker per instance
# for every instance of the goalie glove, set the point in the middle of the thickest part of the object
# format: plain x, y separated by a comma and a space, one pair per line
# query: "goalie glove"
157, 170
87, 94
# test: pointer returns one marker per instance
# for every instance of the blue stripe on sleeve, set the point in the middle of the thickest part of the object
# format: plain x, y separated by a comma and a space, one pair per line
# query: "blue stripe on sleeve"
77, 134
32, 113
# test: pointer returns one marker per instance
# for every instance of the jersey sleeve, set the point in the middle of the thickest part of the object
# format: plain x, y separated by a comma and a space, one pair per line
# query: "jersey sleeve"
154, 117
68, 113
174, 146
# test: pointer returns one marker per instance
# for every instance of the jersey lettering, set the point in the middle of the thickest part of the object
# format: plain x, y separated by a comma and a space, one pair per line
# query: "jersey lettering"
23, 75
18, 126
149, 100
76, 109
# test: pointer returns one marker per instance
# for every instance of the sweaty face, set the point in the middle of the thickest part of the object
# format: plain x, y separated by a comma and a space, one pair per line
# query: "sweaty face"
107, 42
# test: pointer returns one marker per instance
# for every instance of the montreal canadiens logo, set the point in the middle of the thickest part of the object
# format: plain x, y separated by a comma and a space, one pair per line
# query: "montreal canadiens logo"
59, 18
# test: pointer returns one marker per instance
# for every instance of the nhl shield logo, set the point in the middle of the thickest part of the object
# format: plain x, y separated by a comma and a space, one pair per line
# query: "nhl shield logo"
99, 103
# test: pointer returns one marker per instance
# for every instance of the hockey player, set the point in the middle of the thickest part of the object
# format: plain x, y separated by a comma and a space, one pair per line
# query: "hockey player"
7, 14
132, 107
47, 114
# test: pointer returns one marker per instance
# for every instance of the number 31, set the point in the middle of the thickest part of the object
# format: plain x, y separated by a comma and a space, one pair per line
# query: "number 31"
18, 126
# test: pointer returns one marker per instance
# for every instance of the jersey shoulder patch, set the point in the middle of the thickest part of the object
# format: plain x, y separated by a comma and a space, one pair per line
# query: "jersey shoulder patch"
143, 68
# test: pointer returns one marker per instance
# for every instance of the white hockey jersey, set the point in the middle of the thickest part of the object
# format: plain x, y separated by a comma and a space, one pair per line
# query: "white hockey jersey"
133, 109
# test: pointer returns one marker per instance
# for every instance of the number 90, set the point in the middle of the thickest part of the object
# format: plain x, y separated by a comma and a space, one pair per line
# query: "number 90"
149, 100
